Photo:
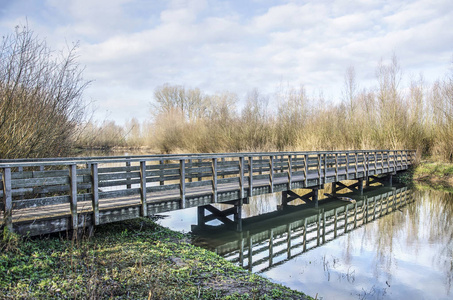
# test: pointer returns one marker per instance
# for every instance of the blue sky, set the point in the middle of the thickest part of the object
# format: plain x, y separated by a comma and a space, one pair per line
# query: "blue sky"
130, 47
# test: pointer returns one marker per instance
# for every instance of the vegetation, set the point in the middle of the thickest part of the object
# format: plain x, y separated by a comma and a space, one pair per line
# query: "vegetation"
40, 97
129, 260
434, 175
387, 116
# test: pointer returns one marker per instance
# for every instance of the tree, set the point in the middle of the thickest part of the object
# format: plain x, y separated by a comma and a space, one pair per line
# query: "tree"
175, 98
40, 97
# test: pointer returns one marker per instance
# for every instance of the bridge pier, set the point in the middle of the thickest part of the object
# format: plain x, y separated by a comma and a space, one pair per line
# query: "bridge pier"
312, 197
223, 216
355, 187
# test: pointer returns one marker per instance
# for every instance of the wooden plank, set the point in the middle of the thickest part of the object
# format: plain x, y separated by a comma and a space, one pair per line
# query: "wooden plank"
214, 180
336, 167
143, 210
241, 177
182, 182
250, 176
95, 192
73, 196
290, 171
7, 199
305, 170
161, 181
271, 173
128, 170
347, 166
195, 184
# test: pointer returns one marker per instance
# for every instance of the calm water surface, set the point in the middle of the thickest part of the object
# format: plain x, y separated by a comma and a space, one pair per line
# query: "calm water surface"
404, 254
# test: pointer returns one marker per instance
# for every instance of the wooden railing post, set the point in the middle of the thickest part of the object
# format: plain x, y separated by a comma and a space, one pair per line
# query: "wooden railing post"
290, 171
356, 155
144, 207
95, 192
325, 167
182, 182
336, 166
398, 159
161, 172
375, 163
128, 173
250, 176
88, 166
73, 196
261, 165
367, 164
271, 172
347, 165
189, 171
319, 169
392, 160
388, 160
223, 166
7, 199
241, 177
405, 159
214, 180
305, 169
200, 163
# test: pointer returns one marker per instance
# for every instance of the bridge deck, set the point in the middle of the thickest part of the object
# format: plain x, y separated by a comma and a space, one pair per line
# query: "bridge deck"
49, 195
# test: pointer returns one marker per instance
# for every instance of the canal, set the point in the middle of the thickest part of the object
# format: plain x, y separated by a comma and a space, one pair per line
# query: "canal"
399, 247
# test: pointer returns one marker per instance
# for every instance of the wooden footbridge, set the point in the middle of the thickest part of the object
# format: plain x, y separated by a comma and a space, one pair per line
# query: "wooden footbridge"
64, 194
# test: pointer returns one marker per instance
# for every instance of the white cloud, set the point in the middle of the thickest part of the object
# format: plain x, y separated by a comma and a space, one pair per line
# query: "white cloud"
130, 47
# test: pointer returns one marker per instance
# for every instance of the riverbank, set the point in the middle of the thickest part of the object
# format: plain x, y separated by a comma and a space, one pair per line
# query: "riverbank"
135, 259
433, 175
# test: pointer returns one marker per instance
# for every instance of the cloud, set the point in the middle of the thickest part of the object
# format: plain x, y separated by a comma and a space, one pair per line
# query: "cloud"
137, 45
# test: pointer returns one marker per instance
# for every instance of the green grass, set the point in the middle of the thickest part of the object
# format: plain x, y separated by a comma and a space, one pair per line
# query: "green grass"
433, 169
135, 259
432, 175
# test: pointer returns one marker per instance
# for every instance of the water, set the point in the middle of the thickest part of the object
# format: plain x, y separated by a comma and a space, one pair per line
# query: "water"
403, 248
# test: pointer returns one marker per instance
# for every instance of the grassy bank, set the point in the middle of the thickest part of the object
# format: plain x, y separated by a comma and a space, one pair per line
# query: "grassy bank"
129, 260
434, 175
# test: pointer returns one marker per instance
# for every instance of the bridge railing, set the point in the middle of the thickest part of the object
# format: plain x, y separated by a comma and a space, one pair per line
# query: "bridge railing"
91, 185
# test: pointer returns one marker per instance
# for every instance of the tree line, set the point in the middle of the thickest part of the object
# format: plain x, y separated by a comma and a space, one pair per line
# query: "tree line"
389, 115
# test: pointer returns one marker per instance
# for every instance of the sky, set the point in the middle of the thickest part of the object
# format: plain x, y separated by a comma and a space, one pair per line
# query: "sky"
130, 47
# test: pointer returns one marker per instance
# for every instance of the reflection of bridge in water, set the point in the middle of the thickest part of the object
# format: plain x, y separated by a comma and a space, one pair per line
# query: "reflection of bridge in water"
271, 239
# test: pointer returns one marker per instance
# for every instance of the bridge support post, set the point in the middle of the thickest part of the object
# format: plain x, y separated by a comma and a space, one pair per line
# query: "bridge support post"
221, 215
334, 188
285, 200
238, 215
390, 177
361, 186
201, 216
312, 197
316, 196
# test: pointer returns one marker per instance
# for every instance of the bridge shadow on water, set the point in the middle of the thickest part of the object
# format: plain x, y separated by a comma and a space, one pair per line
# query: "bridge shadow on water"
273, 238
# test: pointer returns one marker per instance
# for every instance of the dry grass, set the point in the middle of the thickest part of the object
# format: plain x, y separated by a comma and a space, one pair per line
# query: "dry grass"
387, 116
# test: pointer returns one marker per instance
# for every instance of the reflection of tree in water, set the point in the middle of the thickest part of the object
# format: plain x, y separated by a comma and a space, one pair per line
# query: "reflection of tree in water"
439, 208
384, 233
429, 218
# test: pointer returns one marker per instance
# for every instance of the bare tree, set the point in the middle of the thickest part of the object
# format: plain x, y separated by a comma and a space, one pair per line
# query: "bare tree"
40, 96
170, 98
